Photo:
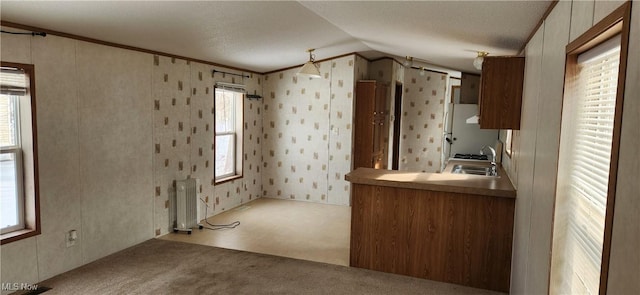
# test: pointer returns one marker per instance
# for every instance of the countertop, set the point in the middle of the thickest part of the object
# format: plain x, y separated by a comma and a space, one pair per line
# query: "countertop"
443, 182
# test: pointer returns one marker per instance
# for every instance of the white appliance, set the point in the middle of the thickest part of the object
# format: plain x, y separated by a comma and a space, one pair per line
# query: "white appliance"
185, 205
463, 138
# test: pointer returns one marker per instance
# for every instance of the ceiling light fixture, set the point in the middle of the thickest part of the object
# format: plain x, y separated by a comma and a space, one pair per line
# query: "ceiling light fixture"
477, 62
423, 71
408, 62
310, 69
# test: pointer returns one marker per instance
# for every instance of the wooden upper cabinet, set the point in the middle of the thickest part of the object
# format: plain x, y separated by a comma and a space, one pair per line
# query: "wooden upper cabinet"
501, 92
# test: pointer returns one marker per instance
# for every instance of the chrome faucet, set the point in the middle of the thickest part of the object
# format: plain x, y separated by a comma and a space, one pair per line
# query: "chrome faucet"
493, 171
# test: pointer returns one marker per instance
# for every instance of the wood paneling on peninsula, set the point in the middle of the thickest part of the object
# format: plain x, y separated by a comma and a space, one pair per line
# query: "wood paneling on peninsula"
450, 237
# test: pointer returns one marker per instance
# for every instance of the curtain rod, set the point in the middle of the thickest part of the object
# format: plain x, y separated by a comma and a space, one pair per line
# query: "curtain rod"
43, 34
428, 70
233, 74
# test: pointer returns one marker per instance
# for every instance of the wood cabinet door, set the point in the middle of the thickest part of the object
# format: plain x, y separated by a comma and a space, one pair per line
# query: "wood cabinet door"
501, 92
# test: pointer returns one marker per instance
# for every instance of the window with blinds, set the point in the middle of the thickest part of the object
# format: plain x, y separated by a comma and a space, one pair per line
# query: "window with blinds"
583, 170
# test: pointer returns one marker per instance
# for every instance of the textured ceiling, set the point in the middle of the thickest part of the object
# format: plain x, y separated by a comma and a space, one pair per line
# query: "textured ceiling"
268, 35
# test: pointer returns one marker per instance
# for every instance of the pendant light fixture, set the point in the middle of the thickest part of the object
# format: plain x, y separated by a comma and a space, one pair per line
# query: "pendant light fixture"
310, 69
477, 62
408, 62
423, 71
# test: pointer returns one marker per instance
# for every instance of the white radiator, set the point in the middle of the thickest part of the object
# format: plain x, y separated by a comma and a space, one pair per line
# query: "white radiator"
186, 205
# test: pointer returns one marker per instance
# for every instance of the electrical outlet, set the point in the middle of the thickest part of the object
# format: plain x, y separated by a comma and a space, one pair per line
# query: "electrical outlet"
71, 237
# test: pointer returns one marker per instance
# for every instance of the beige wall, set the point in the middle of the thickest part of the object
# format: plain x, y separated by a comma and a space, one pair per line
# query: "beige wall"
183, 136
307, 140
524, 155
421, 153
422, 121
535, 156
556, 36
361, 70
97, 133
94, 137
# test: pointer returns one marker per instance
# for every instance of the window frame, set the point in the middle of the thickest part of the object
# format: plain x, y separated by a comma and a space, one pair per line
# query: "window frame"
508, 143
31, 202
237, 133
618, 22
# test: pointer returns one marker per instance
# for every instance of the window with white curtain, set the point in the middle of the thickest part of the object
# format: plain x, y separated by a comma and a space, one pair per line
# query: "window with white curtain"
228, 131
583, 170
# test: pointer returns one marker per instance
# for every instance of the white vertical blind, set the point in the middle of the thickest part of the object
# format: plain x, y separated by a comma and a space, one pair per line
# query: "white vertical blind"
583, 172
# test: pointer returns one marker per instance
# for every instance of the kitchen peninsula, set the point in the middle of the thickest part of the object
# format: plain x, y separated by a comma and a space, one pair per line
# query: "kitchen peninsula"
454, 228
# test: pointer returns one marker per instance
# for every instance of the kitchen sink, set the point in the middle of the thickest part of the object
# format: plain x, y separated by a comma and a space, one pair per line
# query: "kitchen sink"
473, 170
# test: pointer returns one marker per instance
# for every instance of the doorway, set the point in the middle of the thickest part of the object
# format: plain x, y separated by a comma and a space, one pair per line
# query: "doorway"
397, 118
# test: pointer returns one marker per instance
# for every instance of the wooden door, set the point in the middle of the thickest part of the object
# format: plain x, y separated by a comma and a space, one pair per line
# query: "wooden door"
380, 128
397, 117
371, 127
363, 129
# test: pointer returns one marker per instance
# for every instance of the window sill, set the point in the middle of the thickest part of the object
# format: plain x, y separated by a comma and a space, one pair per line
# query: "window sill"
18, 235
227, 179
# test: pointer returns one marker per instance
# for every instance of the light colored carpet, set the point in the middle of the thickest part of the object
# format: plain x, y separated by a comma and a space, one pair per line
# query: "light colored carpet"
169, 267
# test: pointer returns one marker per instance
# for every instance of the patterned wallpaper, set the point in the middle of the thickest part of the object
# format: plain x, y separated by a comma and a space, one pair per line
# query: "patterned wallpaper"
298, 138
382, 71
341, 104
421, 128
361, 70
308, 132
183, 137
398, 71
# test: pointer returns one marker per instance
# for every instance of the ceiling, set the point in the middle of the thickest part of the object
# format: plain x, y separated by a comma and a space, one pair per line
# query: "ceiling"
263, 36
